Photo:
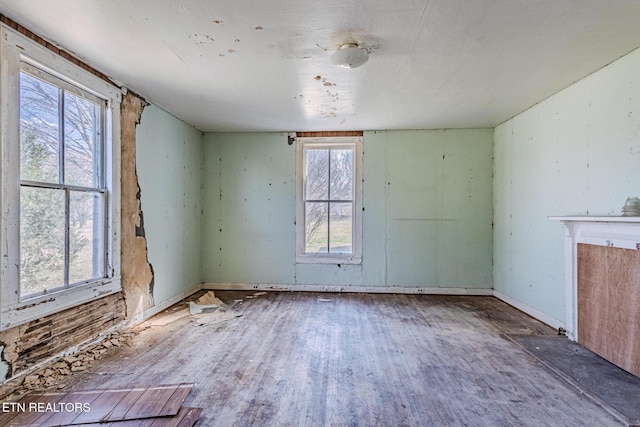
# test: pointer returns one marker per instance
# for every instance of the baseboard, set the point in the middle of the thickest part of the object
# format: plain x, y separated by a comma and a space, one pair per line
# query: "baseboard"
535, 313
346, 289
152, 311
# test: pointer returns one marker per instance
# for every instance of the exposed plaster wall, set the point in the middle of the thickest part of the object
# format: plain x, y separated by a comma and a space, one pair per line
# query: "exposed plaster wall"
137, 272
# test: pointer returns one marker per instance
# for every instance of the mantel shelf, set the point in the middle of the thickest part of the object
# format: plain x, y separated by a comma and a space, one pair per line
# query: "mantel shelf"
587, 218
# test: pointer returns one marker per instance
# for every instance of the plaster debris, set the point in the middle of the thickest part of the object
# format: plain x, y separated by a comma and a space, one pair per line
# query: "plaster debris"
53, 374
207, 303
209, 309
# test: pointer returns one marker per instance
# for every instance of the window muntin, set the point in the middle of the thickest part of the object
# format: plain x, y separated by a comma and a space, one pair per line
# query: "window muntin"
329, 200
62, 186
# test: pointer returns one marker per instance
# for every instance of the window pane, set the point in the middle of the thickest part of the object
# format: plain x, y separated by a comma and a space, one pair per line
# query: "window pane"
341, 228
39, 130
42, 235
341, 174
317, 175
86, 236
316, 230
81, 126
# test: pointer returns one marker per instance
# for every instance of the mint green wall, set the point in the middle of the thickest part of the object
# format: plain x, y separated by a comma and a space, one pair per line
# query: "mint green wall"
169, 166
576, 153
427, 221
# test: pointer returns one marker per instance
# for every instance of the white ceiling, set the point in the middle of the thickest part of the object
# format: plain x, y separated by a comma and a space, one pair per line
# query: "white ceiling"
236, 65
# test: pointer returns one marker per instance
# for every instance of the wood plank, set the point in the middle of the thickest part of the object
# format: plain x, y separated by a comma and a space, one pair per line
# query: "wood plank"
186, 417
158, 401
32, 411
103, 405
609, 304
66, 414
354, 359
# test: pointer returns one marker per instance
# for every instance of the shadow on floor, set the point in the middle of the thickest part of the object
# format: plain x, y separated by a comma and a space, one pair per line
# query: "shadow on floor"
612, 387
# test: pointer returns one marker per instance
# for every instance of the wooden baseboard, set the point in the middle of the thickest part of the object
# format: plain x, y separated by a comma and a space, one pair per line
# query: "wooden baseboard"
337, 288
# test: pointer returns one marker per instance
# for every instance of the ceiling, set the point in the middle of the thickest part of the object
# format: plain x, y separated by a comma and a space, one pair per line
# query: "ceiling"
256, 65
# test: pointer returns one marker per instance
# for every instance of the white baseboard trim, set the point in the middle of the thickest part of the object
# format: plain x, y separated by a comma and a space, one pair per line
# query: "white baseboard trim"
152, 311
535, 313
346, 289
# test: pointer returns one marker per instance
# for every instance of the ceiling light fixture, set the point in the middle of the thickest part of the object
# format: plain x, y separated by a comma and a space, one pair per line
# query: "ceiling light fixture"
350, 55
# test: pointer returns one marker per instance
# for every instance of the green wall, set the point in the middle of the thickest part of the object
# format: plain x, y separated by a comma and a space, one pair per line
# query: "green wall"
427, 221
169, 166
576, 153
221, 207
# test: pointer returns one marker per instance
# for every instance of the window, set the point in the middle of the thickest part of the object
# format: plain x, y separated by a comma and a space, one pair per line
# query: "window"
62, 190
329, 202
60, 178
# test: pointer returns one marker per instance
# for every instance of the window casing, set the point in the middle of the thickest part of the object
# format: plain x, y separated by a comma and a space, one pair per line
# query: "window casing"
60, 183
329, 200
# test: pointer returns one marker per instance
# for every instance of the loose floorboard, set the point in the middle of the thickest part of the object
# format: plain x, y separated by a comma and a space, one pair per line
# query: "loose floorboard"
307, 359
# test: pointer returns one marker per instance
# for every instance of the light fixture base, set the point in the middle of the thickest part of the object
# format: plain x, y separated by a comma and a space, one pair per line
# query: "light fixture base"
350, 55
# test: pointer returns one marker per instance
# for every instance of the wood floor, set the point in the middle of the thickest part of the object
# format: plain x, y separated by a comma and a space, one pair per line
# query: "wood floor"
306, 359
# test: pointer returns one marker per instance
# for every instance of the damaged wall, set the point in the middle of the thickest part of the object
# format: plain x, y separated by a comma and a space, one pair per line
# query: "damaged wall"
576, 153
169, 163
137, 272
427, 221
36, 341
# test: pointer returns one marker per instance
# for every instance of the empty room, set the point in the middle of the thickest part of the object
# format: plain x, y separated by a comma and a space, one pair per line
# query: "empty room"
339, 213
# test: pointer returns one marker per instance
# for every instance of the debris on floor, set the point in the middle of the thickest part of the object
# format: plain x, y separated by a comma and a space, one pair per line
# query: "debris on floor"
207, 303
210, 309
52, 374
257, 294
138, 406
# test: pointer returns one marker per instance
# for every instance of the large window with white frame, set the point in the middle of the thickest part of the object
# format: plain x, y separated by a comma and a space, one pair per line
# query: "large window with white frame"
62, 187
329, 200
60, 174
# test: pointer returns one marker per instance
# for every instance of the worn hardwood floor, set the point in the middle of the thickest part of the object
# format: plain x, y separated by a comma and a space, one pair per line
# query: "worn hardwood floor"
307, 359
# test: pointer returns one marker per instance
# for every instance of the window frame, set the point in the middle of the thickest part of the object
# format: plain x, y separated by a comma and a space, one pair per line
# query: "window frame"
303, 143
16, 49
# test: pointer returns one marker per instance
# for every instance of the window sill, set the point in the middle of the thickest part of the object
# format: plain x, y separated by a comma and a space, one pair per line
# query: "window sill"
328, 259
53, 302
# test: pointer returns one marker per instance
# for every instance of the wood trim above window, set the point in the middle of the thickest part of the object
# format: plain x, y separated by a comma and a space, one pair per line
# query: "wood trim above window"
53, 48
324, 134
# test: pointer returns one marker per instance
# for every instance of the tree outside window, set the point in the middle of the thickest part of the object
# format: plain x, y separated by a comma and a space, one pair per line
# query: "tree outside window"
62, 190
329, 200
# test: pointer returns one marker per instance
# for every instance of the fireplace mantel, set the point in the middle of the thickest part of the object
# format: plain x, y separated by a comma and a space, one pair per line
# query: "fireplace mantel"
611, 231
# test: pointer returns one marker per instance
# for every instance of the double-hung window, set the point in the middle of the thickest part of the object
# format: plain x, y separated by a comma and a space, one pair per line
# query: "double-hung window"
329, 200
60, 174
62, 187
